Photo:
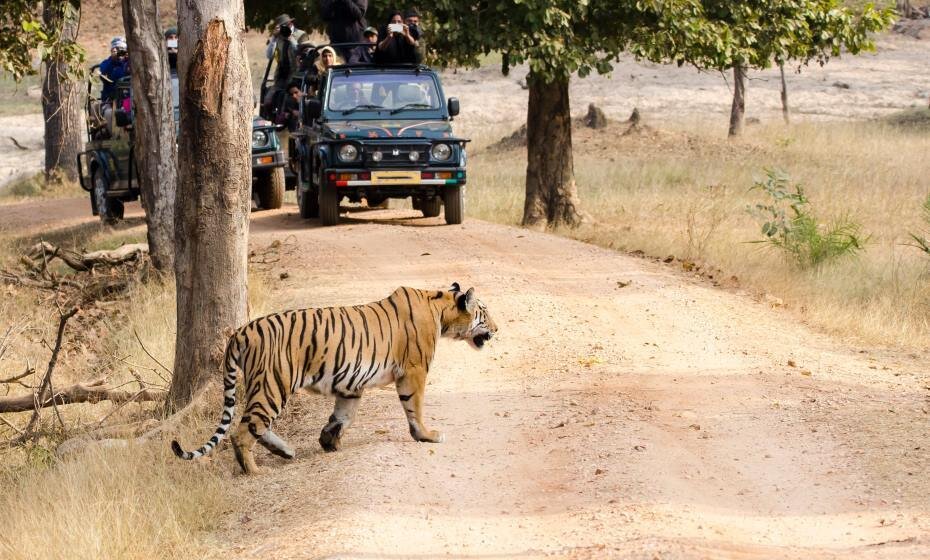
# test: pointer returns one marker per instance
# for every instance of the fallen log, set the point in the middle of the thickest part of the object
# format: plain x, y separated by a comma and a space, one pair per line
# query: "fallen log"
91, 392
44, 251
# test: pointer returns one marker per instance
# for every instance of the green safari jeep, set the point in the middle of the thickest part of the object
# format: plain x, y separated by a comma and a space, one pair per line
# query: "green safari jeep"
379, 132
107, 168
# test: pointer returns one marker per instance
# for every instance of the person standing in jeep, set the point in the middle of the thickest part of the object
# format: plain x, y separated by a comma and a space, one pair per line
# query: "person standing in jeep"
282, 46
345, 22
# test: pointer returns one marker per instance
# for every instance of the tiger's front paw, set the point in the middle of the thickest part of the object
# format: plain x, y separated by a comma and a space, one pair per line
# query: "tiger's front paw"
431, 436
330, 438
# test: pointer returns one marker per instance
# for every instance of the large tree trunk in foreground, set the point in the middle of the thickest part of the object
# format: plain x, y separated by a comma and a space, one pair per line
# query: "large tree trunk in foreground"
551, 193
214, 182
155, 148
738, 111
61, 99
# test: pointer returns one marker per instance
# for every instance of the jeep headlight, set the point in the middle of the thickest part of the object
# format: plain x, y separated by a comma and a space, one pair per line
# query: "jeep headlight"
348, 152
441, 152
259, 138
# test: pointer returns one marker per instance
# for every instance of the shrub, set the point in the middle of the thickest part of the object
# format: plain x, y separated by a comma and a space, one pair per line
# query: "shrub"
790, 225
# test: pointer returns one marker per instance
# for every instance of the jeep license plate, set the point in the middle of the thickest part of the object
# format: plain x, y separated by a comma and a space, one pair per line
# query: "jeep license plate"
395, 178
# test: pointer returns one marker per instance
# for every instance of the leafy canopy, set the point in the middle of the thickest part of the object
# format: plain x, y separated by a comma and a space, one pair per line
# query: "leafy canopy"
24, 35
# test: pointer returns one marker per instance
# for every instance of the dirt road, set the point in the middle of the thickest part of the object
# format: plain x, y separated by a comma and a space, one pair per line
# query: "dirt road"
663, 419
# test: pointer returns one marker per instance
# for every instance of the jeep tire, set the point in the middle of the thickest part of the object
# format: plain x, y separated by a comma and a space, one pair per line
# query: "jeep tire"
329, 204
110, 210
430, 206
270, 189
453, 198
309, 203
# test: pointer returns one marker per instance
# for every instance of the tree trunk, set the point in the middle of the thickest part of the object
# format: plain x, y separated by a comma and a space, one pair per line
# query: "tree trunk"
154, 146
61, 99
784, 94
551, 193
213, 196
738, 111
904, 8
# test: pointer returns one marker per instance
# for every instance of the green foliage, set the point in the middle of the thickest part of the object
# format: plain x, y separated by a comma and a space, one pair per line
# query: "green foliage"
758, 33
24, 34
790, 226
921, 240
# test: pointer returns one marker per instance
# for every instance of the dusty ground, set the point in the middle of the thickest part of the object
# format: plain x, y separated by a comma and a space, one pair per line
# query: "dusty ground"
661, 419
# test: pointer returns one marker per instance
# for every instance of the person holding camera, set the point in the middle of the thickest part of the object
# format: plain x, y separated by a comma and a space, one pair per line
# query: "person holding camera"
399, 46
171, 47
114, 68
282, 46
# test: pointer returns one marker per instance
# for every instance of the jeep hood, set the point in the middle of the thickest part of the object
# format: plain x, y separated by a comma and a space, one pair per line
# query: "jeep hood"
387, 128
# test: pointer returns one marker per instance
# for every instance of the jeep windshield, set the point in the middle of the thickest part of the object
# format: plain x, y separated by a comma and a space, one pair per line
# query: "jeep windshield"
364, 94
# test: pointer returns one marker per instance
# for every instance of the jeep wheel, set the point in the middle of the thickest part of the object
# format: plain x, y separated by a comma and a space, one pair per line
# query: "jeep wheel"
309, 203
110, 210
329, 204
270, 189
430, 206
453, 198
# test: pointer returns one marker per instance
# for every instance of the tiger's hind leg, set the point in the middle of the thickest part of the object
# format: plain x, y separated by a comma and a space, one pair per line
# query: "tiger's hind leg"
341, 418
252, 428
276, 445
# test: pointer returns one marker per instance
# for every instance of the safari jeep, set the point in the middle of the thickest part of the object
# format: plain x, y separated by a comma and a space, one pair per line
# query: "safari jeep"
108, 171
379, 132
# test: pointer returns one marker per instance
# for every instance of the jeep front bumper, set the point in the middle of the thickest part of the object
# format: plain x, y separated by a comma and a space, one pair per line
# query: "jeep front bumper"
267, 160
410, 178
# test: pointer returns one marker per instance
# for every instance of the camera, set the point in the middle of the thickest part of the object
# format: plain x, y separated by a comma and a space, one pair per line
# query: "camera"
396, 27
285, 30
122, 53
414, 31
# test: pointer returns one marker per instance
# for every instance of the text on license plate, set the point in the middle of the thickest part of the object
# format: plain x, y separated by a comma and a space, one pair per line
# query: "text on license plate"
395, 177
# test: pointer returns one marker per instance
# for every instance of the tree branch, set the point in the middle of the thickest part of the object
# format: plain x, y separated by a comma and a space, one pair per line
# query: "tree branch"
90, 392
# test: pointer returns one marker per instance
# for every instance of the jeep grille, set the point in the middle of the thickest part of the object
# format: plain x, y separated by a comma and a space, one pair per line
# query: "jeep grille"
397, 154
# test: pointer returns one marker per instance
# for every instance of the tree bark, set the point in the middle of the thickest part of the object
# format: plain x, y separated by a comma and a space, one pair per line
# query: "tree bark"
61, 98
213, 197
784, 94
551, 193
155, 141
738, 111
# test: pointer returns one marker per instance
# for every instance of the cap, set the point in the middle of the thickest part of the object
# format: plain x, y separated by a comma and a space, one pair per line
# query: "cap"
370, 31
282, 19
118, 43
171, 31
411, 12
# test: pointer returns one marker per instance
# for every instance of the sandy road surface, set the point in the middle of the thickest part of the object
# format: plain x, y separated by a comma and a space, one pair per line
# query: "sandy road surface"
657, 420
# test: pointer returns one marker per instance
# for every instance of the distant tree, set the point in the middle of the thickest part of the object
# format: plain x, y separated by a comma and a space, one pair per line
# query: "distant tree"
49, 34
214, 184
760, 33
155, 140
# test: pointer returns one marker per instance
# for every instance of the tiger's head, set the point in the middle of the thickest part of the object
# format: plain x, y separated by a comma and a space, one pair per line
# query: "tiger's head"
470, 320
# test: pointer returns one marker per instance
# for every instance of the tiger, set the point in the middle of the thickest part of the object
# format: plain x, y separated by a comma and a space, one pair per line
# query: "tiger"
340, 352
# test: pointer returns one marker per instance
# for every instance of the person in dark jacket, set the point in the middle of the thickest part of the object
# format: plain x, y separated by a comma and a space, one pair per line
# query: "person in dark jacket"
345, 22
365, 55
397, 45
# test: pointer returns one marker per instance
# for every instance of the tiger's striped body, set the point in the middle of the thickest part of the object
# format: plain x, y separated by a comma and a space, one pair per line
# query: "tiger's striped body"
340, 351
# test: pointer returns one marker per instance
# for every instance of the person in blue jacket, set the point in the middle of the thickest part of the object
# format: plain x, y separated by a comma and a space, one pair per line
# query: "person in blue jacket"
114, 68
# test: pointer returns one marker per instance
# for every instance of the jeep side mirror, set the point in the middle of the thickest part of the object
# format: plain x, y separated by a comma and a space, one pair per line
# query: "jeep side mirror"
123, 119
453, 106
313, 108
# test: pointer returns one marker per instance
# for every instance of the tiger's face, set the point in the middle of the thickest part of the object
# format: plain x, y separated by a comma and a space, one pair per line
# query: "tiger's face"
472, 323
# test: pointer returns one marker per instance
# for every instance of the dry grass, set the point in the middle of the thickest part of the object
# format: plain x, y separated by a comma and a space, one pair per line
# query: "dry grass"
677, 192
139, 502
133, 503
37, 186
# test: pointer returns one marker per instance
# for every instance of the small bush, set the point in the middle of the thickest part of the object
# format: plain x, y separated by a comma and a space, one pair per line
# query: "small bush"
791, 226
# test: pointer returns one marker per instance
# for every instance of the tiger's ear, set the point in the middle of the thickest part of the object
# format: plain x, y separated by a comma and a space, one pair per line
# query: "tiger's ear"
455, 287
470, 300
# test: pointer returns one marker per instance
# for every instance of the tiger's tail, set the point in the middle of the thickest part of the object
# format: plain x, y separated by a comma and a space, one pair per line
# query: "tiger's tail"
233, 369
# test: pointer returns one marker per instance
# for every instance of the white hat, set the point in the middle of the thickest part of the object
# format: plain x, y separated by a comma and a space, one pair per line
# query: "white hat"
118, 43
